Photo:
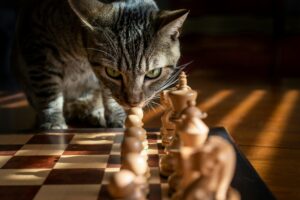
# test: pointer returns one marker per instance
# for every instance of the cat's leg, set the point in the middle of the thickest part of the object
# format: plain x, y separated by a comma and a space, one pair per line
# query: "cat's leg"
43, 86
114, 113
50, 113
88, 109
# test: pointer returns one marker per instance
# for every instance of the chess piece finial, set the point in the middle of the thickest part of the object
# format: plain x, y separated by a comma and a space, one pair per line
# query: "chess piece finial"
133, 121
183, 82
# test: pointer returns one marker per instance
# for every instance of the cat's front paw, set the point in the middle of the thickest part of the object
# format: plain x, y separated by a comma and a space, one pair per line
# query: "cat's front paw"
97, 119
53, 126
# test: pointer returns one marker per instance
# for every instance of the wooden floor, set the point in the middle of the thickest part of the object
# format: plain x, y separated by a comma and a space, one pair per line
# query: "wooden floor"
262, 118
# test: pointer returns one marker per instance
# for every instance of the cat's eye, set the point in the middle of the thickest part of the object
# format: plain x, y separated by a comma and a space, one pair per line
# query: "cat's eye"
112, 73
154, 74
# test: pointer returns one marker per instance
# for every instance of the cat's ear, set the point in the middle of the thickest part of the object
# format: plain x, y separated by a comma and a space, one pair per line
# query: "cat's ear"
90, 11
171, 22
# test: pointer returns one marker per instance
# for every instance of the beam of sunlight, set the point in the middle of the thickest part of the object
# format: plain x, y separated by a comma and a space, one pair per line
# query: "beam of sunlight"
231, 120
18, 104
273, 131
11, 97
215, 100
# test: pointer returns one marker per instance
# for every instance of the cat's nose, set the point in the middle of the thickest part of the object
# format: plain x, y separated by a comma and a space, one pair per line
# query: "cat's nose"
134, 100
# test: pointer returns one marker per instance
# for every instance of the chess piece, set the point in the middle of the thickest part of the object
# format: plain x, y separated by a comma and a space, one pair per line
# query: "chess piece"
122, 186
139, 166
133, 121
131, 145
216, 164
138, 133
136, 111
168, 128
180, 97
192, 130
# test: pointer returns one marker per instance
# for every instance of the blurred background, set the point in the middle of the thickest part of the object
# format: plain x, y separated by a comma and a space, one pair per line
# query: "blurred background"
246, 68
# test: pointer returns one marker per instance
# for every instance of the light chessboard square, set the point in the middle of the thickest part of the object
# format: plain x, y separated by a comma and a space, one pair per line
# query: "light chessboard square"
94, 138
42, 149
82, 161
19, 177
68, 192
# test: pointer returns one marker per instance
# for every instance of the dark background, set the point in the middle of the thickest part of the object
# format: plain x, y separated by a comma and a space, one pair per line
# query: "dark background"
248, 38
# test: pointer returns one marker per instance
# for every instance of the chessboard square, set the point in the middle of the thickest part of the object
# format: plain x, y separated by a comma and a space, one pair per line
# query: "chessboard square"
4, 159
51, 139
152, 149
68, 192
42, 149
104, 193
75, 176
20, 177
18, 192
14, 139
31, 162
93, 138
155, 176
116, 149
118, 138
161, 148
108, 174
153, 160
114, 161
155, 192
91, 149
82, 161
9, 150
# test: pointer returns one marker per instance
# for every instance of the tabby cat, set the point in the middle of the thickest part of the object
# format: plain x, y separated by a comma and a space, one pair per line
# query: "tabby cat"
91, 60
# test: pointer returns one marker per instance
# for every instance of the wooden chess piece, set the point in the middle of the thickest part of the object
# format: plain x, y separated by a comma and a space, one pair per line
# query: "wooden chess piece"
192, 130
139, 133
131, 145
216, 163
138, 165
133, 121
122, 186
136, 111
168, 128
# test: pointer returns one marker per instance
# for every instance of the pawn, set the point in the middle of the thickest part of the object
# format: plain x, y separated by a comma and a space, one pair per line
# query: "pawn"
139, 166
122, 186
131, 145
136, 163
139, 133
133, 121
136, 111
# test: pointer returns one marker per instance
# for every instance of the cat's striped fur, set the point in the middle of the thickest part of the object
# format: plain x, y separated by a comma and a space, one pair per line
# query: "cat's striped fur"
63, 49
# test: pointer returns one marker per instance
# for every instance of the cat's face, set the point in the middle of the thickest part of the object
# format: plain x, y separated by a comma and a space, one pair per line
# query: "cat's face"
136, 53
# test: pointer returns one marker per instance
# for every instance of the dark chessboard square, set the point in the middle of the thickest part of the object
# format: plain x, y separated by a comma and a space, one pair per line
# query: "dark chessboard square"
114, 161
153, 160
104, 194
95, 149
161, 148
152, 136
75, 176
155, 192
9, 150
18, 192
51, 139
31, 162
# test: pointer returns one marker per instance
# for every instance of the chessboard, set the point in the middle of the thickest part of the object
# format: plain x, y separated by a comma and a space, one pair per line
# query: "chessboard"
78, 164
